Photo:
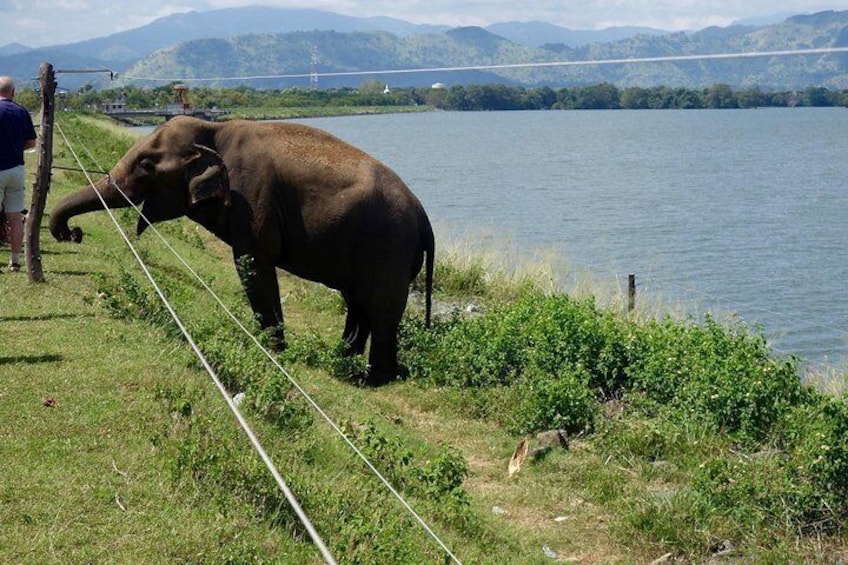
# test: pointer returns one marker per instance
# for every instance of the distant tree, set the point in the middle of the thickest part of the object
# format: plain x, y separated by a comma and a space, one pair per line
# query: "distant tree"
456, 98
816, 96
372, 87
635, 98
604, 96
751, 98
28, 98
542, 98
721, 96
687, 99
565, 99
493, 97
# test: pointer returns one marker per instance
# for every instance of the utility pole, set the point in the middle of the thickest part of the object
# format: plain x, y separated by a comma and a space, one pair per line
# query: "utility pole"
41, 185
42, 175
313, 73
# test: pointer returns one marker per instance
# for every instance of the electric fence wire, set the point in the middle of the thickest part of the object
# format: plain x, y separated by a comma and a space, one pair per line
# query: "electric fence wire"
508, 66
277, 364
316, 538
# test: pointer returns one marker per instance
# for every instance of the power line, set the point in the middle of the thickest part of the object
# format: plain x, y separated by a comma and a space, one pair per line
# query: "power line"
313, 73
636, 60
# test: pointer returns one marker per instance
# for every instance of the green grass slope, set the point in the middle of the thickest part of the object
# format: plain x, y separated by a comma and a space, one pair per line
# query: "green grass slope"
686, 441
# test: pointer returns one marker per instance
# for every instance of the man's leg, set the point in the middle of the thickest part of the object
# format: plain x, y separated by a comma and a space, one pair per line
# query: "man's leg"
16, 238
14, 204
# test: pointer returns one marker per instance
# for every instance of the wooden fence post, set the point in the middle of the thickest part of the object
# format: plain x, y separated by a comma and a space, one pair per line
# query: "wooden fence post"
42, 176
631, 292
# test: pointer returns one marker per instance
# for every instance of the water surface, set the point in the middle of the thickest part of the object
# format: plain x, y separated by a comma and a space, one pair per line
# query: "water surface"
733, 210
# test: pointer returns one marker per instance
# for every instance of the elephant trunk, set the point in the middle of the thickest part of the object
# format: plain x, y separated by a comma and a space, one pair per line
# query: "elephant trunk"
80, 202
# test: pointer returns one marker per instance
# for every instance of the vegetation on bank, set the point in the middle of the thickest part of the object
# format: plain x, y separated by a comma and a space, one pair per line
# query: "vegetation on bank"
686, 438
371, 97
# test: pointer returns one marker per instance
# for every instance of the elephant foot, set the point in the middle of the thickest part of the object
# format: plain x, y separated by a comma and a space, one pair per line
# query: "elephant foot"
345, 350
275, 339
372, 378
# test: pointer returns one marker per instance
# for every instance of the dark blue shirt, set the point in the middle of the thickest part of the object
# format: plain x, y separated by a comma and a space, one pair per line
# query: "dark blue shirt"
15, 128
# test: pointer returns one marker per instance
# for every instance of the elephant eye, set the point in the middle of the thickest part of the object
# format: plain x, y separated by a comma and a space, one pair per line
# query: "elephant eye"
147, 165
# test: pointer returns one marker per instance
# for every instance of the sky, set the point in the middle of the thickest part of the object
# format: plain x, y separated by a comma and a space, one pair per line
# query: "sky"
38, 23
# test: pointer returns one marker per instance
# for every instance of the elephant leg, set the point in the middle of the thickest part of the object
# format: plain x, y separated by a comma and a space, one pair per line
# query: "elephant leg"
382, 357
386, 314
259, 280
357, 327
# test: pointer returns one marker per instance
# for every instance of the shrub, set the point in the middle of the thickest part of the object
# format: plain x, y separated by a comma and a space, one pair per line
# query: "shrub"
558, 351
127, 298
437, 480
815, 437
722, 373
558, 401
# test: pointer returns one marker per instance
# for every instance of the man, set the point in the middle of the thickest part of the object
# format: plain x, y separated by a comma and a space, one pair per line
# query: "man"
17, 134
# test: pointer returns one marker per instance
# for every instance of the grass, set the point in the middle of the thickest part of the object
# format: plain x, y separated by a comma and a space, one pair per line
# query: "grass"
685, 438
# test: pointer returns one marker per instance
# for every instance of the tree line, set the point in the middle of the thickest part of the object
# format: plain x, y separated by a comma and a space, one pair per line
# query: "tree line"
483, 97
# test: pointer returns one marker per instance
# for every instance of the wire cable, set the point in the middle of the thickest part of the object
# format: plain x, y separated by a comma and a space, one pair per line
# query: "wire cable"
507, 66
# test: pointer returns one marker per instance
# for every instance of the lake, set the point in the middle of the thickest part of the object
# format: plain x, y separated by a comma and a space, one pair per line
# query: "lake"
741, 211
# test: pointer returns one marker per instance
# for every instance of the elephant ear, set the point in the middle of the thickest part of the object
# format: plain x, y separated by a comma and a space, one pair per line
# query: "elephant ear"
207, 176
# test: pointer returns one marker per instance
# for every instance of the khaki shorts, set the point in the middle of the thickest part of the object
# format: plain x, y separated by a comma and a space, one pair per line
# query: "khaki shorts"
13, 189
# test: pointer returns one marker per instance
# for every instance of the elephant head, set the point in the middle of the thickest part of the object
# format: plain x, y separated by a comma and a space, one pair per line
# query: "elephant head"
170, 172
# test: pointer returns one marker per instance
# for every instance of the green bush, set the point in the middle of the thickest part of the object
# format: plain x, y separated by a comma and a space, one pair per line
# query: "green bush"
558, 351
723, 373
763, 456
548, 332
128, 298
438, 477
554, 401
437, 480
815, 437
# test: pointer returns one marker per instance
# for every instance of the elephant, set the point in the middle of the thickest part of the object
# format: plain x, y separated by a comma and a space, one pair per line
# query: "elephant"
282, 195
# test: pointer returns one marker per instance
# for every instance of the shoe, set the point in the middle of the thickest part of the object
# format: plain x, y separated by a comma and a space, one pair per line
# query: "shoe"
14, 267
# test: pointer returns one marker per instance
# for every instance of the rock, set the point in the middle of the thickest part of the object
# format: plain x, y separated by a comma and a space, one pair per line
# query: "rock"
553, 438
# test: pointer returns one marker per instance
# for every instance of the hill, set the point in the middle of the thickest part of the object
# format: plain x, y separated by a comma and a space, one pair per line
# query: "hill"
231, 22
256, 41
13, 49
277, 55
290, 54
536, 34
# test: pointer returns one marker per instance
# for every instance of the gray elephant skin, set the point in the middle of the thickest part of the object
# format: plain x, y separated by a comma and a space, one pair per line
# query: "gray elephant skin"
289, 196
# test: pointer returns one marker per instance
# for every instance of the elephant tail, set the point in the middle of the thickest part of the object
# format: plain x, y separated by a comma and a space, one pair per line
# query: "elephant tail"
430, 250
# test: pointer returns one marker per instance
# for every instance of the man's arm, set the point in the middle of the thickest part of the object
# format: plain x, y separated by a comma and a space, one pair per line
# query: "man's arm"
29, 144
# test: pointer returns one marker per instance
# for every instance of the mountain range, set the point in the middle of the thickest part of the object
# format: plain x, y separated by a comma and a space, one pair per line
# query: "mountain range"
276, 43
